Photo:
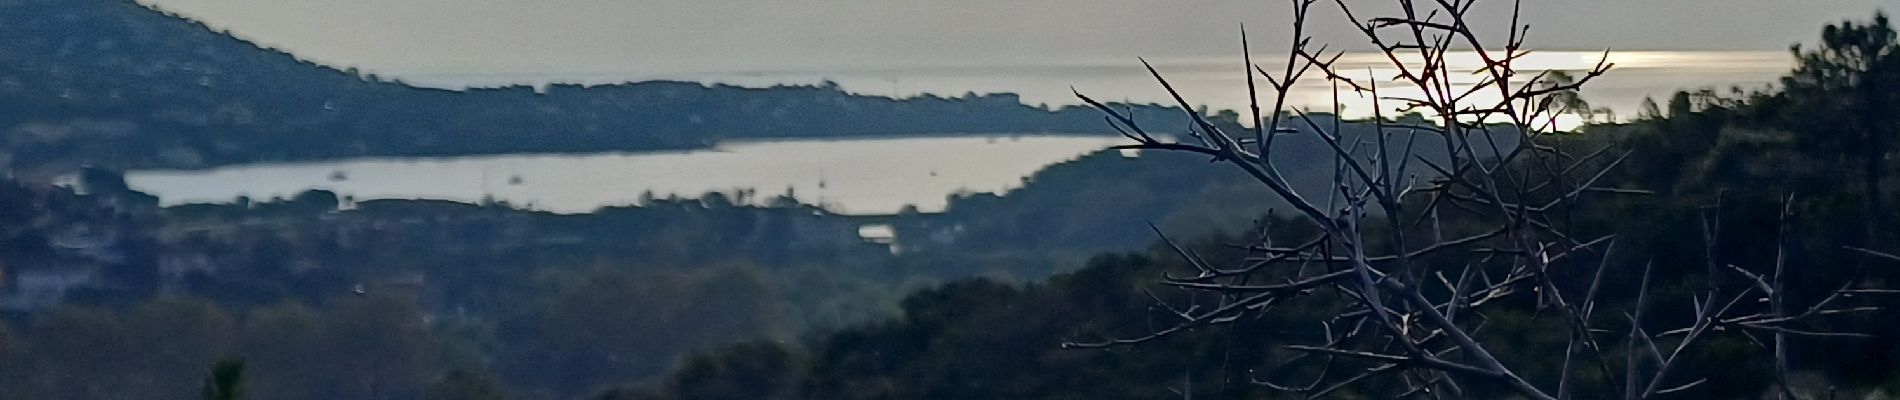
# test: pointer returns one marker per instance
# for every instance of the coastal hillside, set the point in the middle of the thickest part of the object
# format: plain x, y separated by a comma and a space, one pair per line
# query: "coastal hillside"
115, 84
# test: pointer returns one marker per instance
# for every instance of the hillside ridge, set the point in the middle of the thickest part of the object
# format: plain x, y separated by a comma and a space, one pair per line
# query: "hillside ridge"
120, 85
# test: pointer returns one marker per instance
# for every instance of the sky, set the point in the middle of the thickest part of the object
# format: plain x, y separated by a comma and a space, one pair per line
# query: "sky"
555, 37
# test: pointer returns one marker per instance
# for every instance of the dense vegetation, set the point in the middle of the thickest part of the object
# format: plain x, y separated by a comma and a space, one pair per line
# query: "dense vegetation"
555, 304
509, 295
112, 83
1740, 157
1106, 201
320, 297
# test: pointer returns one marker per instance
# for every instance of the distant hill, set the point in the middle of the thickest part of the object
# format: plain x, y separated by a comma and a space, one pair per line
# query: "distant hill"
115, 84
1104, 202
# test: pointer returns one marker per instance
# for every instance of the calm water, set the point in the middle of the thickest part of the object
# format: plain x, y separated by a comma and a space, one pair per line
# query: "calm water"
861, 176
883, 175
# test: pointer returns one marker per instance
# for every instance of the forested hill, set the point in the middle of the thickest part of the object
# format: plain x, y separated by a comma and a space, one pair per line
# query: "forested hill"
116, 84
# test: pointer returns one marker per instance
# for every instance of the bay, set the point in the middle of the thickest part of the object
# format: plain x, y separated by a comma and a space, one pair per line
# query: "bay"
856, 176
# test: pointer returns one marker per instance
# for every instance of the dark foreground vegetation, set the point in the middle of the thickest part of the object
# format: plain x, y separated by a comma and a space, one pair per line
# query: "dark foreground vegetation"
1788, 181
324, 297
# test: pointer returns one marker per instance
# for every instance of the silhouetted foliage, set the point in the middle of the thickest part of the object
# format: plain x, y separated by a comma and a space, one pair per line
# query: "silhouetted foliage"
465, 385
1841, 98
225, 382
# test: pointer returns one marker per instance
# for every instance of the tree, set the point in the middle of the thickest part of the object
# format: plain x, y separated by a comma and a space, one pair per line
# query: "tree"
225, 382
1648, 109
102, 182
78, 353
612, 325
383, 347
1419, 253
715, 200
1567, 100
283, 345
606, 326
757, 370
6, 353
175, 339
316, 201
1841, 96
465, 385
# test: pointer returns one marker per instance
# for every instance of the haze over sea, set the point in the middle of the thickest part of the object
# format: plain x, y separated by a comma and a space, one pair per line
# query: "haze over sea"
918, 171
1216, 82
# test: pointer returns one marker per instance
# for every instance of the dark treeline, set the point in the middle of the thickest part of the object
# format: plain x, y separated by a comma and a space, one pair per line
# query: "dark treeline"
325, 297
1813, 143
1105, 201
112, 83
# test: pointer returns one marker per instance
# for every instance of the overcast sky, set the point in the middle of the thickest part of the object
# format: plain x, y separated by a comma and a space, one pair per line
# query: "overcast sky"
675, 36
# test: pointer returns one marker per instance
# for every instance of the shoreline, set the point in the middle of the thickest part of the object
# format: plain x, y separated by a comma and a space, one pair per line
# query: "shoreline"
712, 147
